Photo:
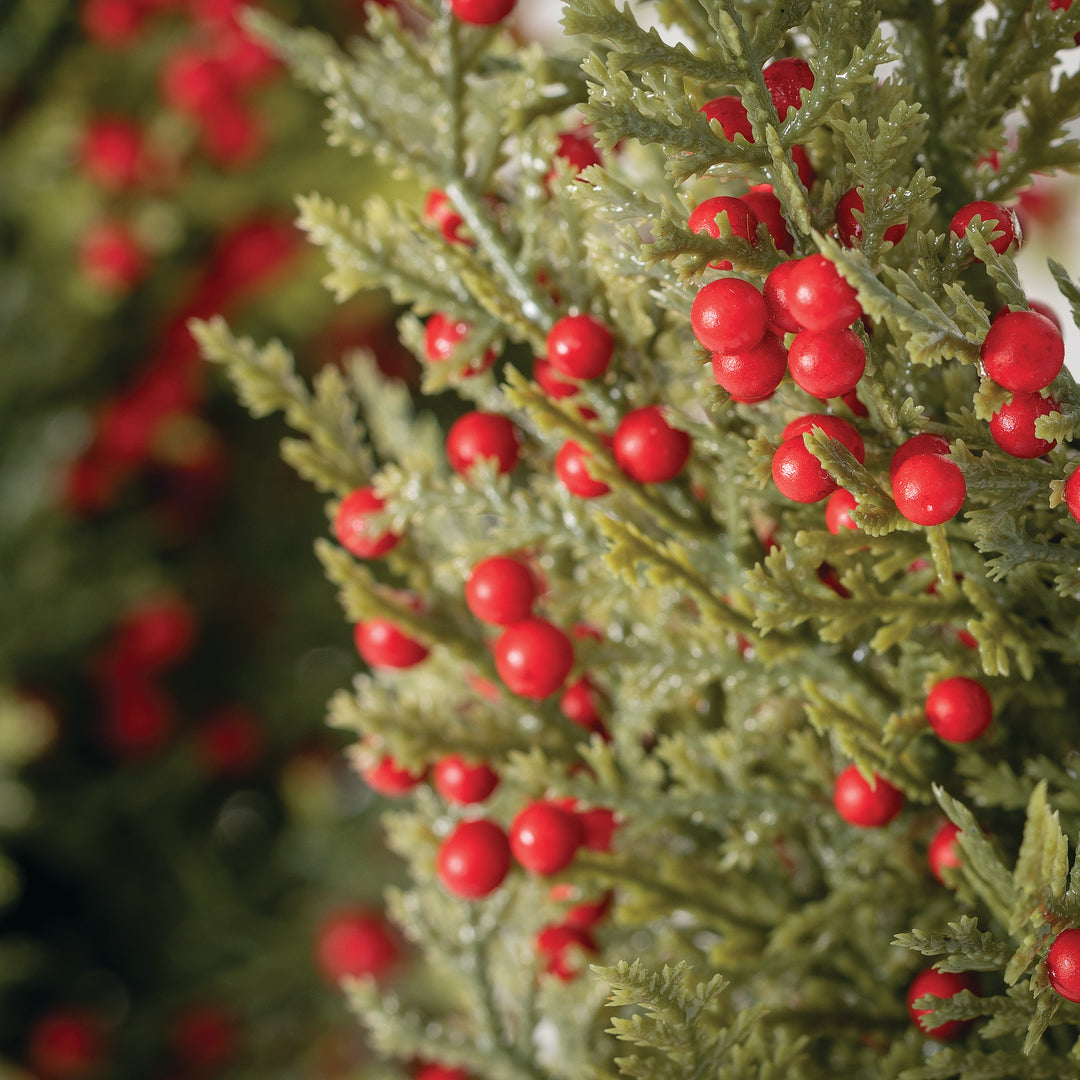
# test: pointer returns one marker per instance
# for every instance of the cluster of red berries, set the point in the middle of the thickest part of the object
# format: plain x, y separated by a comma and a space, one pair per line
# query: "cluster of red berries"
455, 779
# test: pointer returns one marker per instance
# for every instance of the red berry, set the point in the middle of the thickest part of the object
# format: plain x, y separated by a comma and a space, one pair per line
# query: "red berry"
381, 644
785, 80
752, 375
838, 511
229, 742
1004, 222
112, 23
204, 1037
244, 61
730, 112
943, 851
803, 167
1063, 964
232, 134
459, 782
586, 915
827, 363
353, 531
433, 1071
959, 709
580, 346
481, 12
940, 984
1023, 351
836, 427
112, 153
1012, 427
766, 206
799, 475
929, 489
388, 778
850, 231
571, 466
533, 658
580, 704
474, 859
545, 837
1071, 492
439, 210
111, 257
556, 942
741, 219
577, 148
819, 297
66, 1044
156, 633
1040, 309
777, 294
138, 718
925, 443
598, 826
501, 590
729, 316
192, 82
546, 374
859, 803
478, 435
356, 941
647, 448
443, 337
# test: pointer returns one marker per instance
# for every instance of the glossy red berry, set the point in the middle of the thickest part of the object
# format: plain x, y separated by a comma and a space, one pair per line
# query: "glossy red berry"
1004, 220
501, 590
580, 704
578, 149
924, 443
533, 658
580, 346
730, 113
545, 837
381, 644
571, 467
154, 634
943, 852
356, 941
838, 511
752, 375
860, 803
849, 230
547, 375
192, 82
785, 80
66, 1044
474, 859
112, 153
742, 221
112, 23
445, 336
959, 709
1012, 427
481, 12
929, 489
389, 778
479, 435
205, 1036
459, 782
229, 742
1063, 964
1071, 493
940, 984
433, 1071
1023, 351
764, 203
729, 316
439, 211
836, 427
827, 363
819, 297
777, 294
647, 448
598, 825
556, 944
352, 525
799, 475
111, 257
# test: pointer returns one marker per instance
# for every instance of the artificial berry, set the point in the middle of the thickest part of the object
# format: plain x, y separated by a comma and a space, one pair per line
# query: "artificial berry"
389, 778
138, 718
66, 1044
192, 82
113, 23
838, 511
929, 489
777, 294
797, 473
803, 167
819, 297
598, 825
382, 644
545, 837
244, 61
571, 467
545, 373
112, 153
443, 337
752, 375
156, 633
580, 704
729, 316
827, 363
474, 859
501, 590
741, 219
940, 984
481, 12
1043, 309
1071, 493
1063, 964
1012, 427
850, 230
730, 113
578, 149
478, 435
440, 212
434, 1071
924, 443
959, 709
647, 448
232, 134
1004, 220
533, 658
229, 741
836, 427
864, 804
943, 852
580, 346
356, 941
785, 80
590, 912
1023, 351
555, 944
459, 782
352, 525
112, 258
204, 1037
764, 203
851, 400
